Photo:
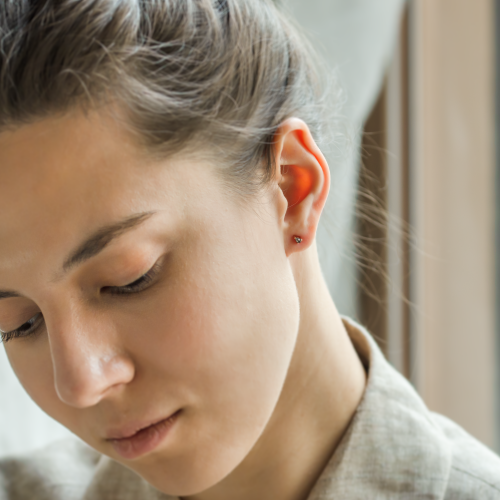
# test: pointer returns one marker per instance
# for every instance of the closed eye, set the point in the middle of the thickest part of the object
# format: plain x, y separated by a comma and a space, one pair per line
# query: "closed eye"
140, 284
25, 330
32, 326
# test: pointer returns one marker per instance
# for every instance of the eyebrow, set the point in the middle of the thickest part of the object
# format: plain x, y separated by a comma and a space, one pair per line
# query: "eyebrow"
95, 244
101, 238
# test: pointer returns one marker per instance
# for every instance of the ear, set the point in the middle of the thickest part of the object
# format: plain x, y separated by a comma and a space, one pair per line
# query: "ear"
304, 179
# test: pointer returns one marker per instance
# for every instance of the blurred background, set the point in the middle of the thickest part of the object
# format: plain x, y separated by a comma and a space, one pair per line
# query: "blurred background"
410, 244
430, 155
410, 237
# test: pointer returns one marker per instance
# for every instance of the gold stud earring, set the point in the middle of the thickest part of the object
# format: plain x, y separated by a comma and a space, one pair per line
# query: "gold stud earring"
297, 239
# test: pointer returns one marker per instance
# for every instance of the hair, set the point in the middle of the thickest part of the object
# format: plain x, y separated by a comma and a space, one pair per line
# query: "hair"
223, 74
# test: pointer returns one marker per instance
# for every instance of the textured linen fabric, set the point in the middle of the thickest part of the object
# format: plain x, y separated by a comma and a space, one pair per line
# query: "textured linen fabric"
394, 448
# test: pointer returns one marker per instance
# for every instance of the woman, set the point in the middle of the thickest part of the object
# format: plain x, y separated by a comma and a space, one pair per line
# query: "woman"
160, 292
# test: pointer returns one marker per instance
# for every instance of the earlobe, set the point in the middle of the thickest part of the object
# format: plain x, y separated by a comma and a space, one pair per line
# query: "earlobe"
304, 181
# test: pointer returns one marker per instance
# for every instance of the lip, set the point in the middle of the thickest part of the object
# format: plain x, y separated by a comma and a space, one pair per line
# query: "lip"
136, 440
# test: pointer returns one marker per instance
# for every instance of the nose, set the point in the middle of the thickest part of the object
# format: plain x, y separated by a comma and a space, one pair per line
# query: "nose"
88, 361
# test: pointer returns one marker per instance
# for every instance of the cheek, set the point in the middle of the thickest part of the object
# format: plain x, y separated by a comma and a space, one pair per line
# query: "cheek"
32, 364
222, 343
214, 329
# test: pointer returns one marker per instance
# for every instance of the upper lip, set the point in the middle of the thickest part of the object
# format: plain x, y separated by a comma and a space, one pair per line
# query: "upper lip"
132, 428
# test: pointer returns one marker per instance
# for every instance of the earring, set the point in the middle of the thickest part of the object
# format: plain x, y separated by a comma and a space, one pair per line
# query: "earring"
297, 239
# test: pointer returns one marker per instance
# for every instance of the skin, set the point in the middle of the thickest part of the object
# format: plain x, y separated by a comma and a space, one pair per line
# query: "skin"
237, 328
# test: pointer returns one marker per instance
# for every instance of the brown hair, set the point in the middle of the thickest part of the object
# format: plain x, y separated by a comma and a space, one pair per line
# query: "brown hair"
221, 73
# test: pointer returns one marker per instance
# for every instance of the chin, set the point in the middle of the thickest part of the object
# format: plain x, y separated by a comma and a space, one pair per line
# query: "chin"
192, 473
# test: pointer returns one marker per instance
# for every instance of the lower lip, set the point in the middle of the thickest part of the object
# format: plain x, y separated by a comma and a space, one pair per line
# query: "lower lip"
145, 440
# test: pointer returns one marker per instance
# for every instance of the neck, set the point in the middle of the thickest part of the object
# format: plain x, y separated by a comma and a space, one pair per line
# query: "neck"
324, 386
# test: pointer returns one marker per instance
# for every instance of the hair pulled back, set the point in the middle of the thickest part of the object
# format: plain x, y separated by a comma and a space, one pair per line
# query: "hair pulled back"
219, 73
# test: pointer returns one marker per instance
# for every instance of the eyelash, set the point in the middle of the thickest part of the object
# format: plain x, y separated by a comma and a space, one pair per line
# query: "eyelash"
18, 333
135, 287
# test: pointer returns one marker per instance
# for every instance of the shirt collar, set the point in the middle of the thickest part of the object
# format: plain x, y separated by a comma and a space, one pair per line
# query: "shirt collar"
392, 446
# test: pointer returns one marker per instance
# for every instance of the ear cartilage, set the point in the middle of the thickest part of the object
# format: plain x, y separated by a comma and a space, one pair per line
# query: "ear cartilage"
297, 239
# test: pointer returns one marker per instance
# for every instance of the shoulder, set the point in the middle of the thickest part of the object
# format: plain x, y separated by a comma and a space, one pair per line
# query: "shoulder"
475, 469
395, 444
60, 471
71, 470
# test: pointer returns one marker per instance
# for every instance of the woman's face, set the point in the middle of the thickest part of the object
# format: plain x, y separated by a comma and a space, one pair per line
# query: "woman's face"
140, 291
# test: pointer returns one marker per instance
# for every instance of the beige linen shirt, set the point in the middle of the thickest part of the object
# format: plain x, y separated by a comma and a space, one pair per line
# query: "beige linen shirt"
394, 448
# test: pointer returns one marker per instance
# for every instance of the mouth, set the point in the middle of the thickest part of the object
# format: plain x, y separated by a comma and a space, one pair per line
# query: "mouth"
132, 444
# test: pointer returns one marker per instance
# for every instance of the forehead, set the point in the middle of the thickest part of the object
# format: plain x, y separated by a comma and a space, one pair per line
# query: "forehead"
64, 151
42, 157
62, 177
